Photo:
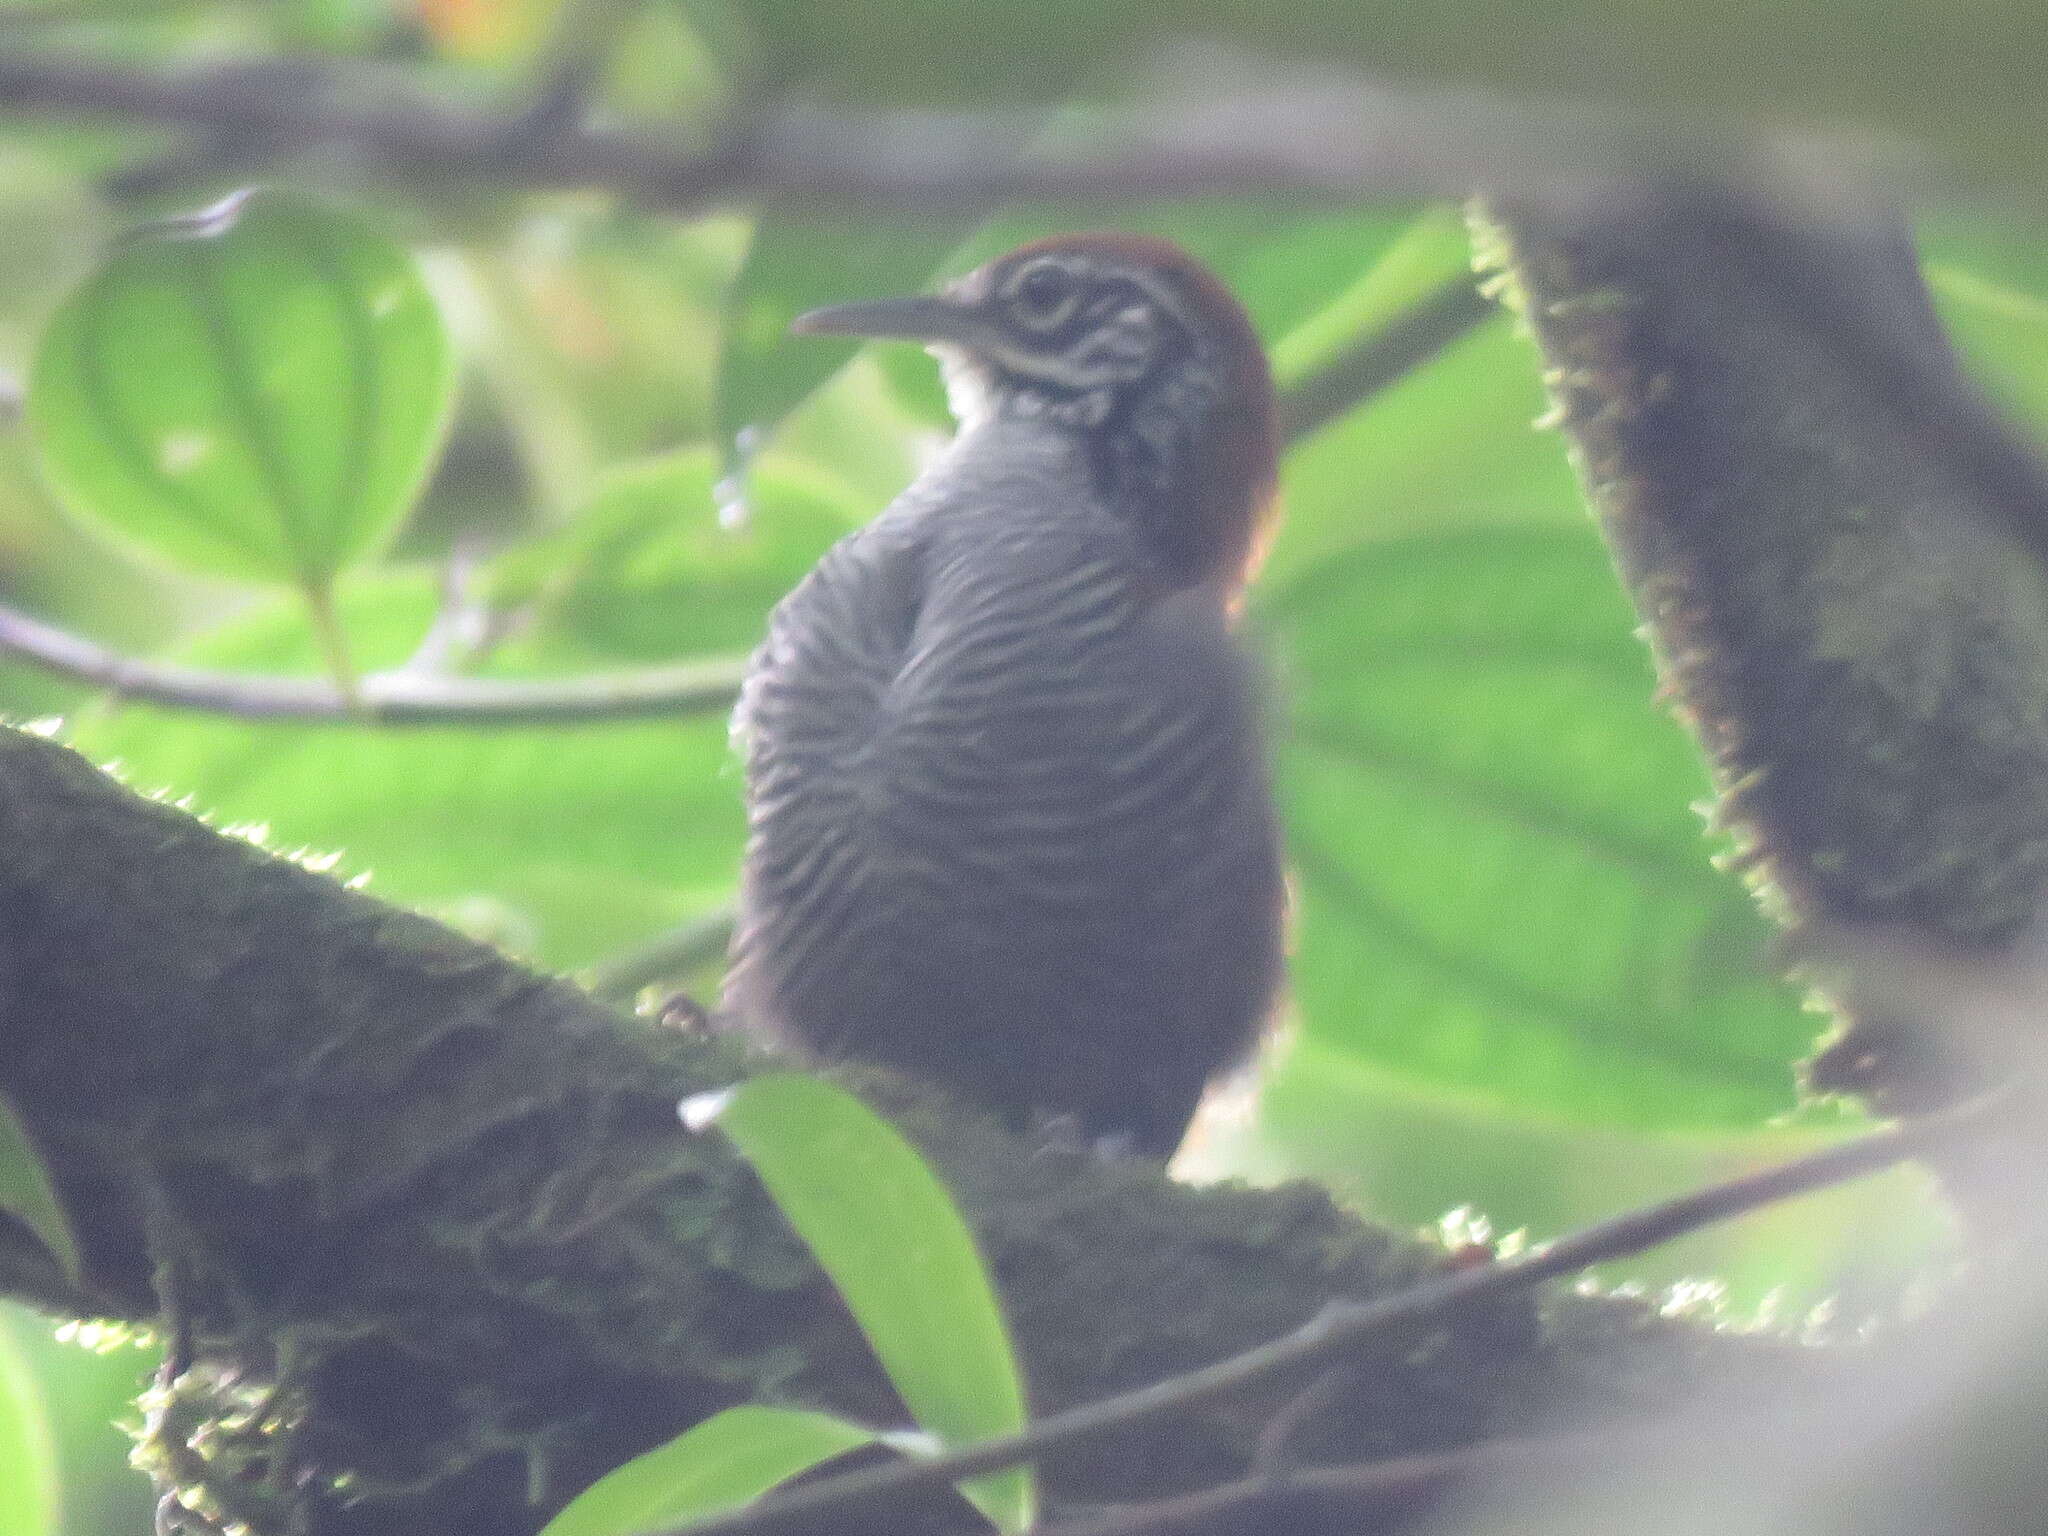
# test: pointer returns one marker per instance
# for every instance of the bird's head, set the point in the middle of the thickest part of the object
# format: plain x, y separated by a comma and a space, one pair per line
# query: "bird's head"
1131, 343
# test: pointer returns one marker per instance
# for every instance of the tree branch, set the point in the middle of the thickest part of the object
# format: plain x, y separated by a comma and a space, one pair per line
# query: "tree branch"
1342, 1327
1388, 355
586, 34
1837, 548
1347, 138
1362, 1497
441, 1209
400, 698
1357, 1497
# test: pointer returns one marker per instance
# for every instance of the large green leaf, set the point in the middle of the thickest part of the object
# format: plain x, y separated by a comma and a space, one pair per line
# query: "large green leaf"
597, 835
647, 569
896, 1246
1990, 285
730, 1459
1454, 445
1503, 891
569, 843
801, 260
1502, 885
257, 390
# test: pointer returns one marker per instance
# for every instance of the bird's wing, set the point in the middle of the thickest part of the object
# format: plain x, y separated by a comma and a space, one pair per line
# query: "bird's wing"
833, 646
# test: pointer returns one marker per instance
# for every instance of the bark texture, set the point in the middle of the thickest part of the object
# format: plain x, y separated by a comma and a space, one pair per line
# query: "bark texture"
433, 1251
1837, 551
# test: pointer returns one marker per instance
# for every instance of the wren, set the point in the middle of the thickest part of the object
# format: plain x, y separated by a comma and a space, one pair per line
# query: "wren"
1011, 827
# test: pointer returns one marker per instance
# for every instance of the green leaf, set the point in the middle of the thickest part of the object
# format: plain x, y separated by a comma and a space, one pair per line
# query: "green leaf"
800, 260
80, 1388
1503, 888
26, 1194
728, 1460
28, 1455
1406, 263
646, 568
1503, 895
1990, 286
258, 390
1454, 445
893, 1242
602, 835
599, 835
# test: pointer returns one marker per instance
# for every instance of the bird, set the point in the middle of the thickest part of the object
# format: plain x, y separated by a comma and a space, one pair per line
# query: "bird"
1010, 820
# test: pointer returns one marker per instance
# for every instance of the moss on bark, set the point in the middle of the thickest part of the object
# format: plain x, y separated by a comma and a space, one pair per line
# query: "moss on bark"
426, 1234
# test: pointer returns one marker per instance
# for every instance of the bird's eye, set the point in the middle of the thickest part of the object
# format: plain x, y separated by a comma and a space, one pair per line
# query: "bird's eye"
1043, 295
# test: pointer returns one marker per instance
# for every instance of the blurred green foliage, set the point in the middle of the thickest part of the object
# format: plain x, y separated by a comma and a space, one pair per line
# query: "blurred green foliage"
27, 1196
28, 1462
256, 390
1519, 983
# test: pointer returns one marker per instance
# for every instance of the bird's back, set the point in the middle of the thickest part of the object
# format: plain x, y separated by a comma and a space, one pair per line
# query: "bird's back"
1010, 827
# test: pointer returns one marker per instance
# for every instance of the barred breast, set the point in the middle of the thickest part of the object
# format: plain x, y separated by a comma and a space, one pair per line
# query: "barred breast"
1009, 821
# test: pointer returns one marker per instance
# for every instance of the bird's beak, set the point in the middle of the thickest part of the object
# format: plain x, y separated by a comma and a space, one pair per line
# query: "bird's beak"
916, 319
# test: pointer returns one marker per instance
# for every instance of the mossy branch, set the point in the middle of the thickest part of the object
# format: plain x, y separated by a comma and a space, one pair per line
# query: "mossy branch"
431, 1249
1838, 551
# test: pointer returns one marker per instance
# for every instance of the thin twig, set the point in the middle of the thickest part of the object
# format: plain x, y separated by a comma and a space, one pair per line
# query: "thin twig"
1385, 357
1344, 1325
417, 694
1359, 1495
1271, 1457
466, 627
586, 35
676, 953
1368, 1495
385, 698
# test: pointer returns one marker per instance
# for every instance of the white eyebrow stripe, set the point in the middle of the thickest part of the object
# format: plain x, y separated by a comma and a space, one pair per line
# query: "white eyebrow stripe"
1168, 298
1083, 270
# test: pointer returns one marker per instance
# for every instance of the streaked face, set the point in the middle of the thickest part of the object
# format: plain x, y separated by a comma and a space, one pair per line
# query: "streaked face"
1071, 327
1072, 321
